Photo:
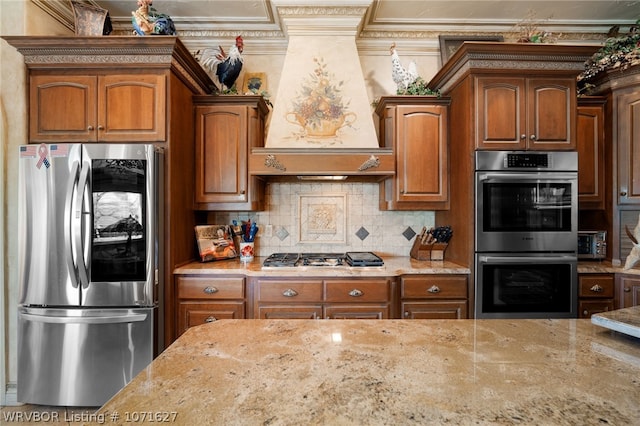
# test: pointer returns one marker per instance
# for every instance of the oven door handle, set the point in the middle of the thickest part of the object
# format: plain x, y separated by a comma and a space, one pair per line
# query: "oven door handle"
520, 259
490, 177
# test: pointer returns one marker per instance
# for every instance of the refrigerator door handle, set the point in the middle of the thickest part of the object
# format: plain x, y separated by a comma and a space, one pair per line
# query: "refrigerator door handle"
68, 221
78, 234
106, 319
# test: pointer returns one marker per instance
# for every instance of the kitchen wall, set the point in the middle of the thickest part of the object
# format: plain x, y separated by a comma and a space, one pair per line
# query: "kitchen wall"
329, 217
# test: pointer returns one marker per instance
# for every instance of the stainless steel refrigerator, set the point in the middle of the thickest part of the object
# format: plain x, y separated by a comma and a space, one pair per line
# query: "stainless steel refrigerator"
88, 268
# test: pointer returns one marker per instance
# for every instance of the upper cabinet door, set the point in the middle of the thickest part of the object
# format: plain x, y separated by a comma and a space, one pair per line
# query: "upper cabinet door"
627, 133
500, 113
525, 113
131, 108
551, 114
91, 108
62, 108
590, 138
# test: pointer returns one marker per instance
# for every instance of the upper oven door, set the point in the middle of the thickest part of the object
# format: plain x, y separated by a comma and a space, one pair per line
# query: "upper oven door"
526, 211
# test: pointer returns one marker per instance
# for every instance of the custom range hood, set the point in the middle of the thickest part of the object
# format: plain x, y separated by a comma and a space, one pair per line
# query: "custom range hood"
322, 126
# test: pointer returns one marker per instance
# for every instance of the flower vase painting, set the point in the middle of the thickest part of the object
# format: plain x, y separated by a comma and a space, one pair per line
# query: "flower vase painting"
325, 104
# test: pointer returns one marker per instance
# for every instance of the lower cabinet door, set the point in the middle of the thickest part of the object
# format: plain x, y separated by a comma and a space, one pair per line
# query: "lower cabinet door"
194, 313
356, 312
587, 308
435, 310
289, 312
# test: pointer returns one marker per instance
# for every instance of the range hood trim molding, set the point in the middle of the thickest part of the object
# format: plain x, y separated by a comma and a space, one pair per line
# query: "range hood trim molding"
353, 162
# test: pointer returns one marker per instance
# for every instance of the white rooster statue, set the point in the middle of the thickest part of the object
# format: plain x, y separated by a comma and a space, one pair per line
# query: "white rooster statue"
634, 254
401, 76
226, 67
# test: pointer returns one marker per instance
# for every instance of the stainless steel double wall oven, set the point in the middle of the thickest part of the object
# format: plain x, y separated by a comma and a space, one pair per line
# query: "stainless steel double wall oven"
526, 234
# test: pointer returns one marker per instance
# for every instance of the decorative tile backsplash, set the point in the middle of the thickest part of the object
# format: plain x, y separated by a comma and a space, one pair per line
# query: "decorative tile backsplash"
329, 217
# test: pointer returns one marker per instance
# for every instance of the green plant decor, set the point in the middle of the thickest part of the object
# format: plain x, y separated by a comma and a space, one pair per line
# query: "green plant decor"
618, 53
418, 87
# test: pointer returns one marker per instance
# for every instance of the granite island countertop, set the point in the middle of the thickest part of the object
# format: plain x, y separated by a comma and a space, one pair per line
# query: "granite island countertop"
391, 372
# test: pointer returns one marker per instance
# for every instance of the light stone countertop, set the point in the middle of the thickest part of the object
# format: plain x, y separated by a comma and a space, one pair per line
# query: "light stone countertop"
391, 372
393, 266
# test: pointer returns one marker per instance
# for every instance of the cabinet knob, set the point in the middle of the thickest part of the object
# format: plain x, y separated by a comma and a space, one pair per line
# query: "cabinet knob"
434, 289
210, 290
533, 137
523, 136
90, 128
211, 319
242, 191
597, 289
626, 290
356, 293
406, 314
623, 193
585, 312
289, 293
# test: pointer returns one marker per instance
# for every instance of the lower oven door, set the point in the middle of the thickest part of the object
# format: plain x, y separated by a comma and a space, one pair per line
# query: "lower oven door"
531, 286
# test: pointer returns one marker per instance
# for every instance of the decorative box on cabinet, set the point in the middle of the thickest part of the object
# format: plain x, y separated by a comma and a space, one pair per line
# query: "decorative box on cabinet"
333, 298
525, 113
628, 290
591, 152
595, 294
434, 296
204, 299
92, 106
417, 127
227, 127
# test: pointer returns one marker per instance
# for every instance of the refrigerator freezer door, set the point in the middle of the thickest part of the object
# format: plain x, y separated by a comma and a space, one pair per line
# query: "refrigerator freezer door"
119, 227
46, 189
79, 357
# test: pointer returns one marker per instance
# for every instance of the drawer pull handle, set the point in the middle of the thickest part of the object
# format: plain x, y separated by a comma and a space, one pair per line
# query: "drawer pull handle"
356, 293
210, 290
597, 288
434, 289
210, 319
289, 293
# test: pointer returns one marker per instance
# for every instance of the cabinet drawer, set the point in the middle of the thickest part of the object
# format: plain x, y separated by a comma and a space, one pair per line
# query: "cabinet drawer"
343, 311
195, 313
596, 285
432, 287
357, 291
435, 310
290, 312
290, 291
210, 288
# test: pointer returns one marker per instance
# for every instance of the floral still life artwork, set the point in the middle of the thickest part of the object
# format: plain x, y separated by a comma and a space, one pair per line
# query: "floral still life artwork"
319, 108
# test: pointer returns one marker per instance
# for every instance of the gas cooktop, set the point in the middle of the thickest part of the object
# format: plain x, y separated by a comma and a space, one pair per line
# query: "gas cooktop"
357, 259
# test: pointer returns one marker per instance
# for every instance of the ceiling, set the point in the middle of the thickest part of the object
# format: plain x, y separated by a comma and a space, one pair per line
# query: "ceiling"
203, 21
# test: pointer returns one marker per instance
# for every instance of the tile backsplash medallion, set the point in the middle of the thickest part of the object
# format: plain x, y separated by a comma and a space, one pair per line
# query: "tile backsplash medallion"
329, 217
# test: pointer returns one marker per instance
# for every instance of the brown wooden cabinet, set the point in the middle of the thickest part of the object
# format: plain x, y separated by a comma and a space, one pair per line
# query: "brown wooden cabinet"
97, 107
628, 290
434, 296
205, 299
227, 127
595, 294
626, 129
525, 113
417, 129
316, 298
591, 152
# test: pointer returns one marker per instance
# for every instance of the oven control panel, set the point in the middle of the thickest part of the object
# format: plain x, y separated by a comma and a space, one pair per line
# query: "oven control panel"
526, 160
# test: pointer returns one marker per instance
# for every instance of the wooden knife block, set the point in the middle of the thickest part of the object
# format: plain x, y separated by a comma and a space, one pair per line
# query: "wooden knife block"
434, 251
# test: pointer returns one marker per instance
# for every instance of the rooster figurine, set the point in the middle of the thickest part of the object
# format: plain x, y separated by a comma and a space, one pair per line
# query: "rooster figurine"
401, 76
227, 67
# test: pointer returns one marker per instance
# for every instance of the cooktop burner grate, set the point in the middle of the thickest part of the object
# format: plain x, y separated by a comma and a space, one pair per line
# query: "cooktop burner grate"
354, 259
